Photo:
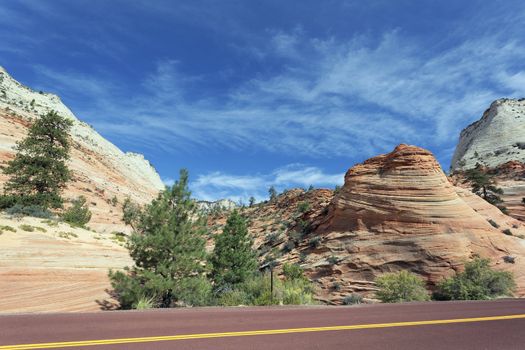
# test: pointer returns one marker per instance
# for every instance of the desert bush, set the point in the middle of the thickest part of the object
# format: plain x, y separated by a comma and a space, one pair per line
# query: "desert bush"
315, 242
477, 282
30, 210
332, 259
352, 299
233, 298
7, 228
292, 271
401, 286
507, 231
303, 207
78, 214
67, 235
493, 223
288, 246
27, 228
144, 303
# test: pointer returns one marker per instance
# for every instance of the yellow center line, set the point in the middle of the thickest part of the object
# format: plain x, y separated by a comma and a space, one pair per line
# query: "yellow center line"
250, 333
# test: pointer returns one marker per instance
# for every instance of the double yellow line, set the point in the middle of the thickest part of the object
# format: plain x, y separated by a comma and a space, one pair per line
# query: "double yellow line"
250, 333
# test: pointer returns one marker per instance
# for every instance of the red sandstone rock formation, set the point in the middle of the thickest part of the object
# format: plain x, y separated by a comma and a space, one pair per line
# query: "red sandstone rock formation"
399, 211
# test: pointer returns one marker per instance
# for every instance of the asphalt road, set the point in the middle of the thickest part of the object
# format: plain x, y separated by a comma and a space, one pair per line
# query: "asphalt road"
446, 325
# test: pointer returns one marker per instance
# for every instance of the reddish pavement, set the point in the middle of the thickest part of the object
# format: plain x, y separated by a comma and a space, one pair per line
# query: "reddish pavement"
498, 334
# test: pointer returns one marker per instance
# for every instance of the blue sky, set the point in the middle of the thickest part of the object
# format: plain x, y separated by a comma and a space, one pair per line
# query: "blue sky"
249, 94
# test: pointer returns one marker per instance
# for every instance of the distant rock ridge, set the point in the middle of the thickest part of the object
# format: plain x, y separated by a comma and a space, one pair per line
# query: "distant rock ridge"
101, 170
498, 137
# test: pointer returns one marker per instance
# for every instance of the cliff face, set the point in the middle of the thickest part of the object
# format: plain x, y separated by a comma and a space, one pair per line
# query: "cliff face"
495, 139
101, 171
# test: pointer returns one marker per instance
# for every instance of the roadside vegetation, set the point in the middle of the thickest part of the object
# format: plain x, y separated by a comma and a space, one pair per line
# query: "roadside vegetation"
478, 281
172, 268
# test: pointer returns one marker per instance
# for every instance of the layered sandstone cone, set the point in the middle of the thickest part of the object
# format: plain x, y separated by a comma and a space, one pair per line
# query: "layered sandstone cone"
399, 211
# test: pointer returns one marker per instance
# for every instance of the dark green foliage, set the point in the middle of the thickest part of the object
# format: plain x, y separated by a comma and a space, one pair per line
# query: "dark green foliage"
131, 213
38, 173
272, 193
315, 242
114, 201
400, 287
484, 185
32, 210
337, 189
233, 259
292, 271
310, 188
507, 231
352, 299
289, 246
523, 200
477, 282
303, 207
251, 201
493, 223
168, 248
332, 260
78, 214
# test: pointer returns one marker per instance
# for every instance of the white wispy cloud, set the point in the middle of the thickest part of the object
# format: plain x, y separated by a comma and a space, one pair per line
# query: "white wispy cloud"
217, 185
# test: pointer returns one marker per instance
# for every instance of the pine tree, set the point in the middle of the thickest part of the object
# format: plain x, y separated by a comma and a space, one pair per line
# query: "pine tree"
78, 214
233, 259
251, 201
168, 248
273, 194
484, 185
39, 172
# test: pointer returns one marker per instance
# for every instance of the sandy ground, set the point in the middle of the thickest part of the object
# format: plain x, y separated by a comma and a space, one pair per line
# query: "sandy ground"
49, 269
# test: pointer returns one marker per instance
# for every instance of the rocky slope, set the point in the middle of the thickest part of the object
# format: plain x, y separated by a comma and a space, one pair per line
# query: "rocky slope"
395, 211
52, 267
497, 141
101, 170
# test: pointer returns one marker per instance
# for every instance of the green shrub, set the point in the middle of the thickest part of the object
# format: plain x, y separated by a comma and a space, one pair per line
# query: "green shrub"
303, 207
288, 246
292, 271
78, 214
233, 298
31, 210
493, 223
315, 242
297, 292
7, 228
477, 282
332, 259
27, 228
401, 286
352, 299
67, 235
507, 231
144, 303
51, 223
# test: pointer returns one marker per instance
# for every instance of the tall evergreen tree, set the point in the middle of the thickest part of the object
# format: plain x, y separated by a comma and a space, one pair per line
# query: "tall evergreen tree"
168, 248
39, 171
272, 193
233, 259
484, 185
